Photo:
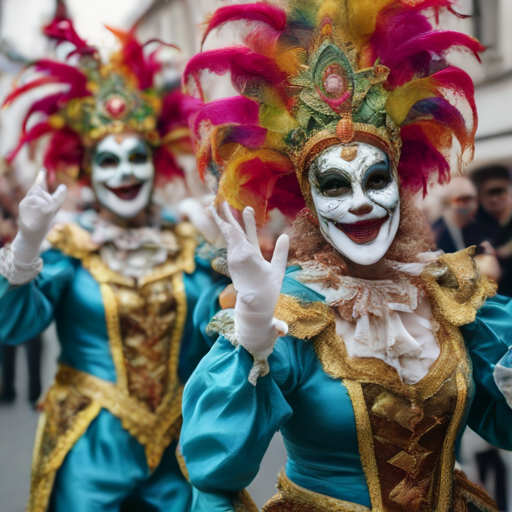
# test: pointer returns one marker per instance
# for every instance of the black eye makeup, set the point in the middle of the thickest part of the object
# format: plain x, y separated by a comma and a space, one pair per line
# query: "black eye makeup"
138, 158
107, 160
333, 182
139, 154
377, 177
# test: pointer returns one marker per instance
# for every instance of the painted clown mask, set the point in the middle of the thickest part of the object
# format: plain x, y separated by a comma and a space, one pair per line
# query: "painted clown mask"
357, 199
123, 174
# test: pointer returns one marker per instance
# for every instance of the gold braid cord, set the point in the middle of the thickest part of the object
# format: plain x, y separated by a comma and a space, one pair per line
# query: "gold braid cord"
145, 323
406, 434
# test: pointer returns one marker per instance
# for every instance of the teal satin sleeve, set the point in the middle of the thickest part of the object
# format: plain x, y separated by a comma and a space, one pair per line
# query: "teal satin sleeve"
27, 310
487, 340
194, 346
227, 422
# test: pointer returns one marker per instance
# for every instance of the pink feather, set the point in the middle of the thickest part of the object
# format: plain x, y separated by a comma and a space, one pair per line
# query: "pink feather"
259, 12
238, 110
405, 41
420, 160
244, 65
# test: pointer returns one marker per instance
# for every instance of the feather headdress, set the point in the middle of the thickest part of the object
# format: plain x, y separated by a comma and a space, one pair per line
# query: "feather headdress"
323, 72
99, 99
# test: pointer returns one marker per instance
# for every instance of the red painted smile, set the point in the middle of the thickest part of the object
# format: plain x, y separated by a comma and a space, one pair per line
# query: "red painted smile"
362, 232
128, 192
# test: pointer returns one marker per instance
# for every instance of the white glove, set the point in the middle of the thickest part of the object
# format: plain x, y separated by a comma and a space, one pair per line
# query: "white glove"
257, 282
200, 215
37, 211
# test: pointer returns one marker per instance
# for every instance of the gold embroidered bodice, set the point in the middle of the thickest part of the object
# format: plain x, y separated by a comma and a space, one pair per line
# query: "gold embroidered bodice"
146, 319
144, 316
406, 433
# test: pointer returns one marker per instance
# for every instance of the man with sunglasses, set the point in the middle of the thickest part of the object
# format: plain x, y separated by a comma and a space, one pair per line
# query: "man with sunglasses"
494, 216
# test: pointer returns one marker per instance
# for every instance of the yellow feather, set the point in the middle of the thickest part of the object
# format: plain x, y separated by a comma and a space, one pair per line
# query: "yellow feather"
402, 99
361, 18
274, 114
354, 20
290, 60
231, 185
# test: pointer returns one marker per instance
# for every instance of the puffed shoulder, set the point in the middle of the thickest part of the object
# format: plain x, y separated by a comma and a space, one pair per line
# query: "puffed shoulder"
456, 288
72, 240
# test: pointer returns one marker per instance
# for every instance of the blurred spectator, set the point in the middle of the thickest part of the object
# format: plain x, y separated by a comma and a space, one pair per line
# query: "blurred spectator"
494, 216
455, 230
10, 196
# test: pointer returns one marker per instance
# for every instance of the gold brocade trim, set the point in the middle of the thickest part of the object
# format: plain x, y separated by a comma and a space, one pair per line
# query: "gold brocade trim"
304, 320
182, 464
76, 242
243, 502
451, 307
150, 429
72, 240
45, 466
332, 353
293, 498
114, 335
448, 455
365, 442
466, 492
458, 301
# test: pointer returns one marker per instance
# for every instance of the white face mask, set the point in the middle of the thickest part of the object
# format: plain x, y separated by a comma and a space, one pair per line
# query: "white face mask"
123, 175
357, 201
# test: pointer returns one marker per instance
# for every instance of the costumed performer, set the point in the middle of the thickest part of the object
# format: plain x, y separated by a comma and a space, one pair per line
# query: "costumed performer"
121, 285
372, 353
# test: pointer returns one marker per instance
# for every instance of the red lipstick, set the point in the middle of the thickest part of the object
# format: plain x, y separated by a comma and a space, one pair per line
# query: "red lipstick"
363, 232
128, 192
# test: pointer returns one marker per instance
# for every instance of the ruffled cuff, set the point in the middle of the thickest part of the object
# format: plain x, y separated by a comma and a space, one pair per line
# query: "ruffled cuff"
503, 376
223, 323
15, 272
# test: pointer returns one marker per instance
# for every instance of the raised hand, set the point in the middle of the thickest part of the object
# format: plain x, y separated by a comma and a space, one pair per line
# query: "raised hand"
257, 281
37, 211
200, 215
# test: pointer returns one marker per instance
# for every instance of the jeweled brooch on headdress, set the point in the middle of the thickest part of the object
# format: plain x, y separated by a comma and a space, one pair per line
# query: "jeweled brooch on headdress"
101, 98
316, 73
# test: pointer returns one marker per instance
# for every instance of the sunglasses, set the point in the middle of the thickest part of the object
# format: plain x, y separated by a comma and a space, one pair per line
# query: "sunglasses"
496, 192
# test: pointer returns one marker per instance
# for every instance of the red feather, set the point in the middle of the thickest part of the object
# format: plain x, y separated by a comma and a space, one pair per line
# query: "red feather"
49, 105
62, 30
64, 151
133, 57
33, 134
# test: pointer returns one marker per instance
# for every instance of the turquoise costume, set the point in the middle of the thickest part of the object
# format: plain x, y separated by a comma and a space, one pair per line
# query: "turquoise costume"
111, 421
331, 420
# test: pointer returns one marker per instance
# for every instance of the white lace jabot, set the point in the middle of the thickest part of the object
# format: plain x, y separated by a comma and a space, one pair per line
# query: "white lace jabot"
133, 252
388, 319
